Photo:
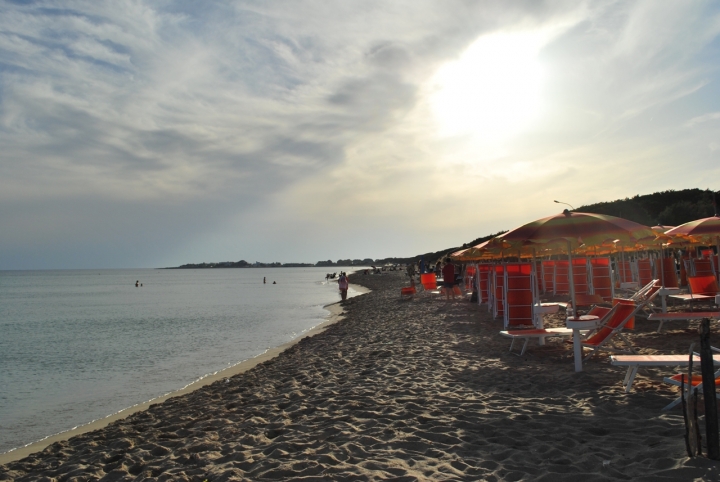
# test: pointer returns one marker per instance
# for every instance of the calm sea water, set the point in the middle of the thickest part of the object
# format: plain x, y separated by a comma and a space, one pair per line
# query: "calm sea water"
76, 346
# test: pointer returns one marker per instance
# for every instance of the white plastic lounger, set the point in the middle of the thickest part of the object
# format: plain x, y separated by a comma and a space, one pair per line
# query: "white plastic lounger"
634, 362
685, 316
537, 334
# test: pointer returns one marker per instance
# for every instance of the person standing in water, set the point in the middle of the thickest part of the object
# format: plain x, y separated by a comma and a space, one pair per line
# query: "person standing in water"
264, 280
343, 285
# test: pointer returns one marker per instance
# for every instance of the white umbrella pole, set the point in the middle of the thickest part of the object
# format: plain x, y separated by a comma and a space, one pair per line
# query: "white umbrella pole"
573, 311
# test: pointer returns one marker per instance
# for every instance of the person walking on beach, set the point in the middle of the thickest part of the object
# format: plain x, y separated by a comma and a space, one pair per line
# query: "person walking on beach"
343, 286
448, 273
411, 270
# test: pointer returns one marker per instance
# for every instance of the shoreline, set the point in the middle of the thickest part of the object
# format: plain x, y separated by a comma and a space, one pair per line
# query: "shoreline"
334, 315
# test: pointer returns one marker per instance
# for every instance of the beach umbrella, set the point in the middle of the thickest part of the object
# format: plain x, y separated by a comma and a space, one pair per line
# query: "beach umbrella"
700, 228
704, 230
577, 229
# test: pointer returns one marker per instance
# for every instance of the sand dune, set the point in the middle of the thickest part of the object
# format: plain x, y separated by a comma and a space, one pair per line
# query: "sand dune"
401, 390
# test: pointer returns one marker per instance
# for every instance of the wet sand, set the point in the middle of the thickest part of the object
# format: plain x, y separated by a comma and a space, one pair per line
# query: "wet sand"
419, 389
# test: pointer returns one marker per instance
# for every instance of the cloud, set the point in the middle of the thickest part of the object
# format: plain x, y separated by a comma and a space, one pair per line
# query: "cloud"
200, 120
703, 119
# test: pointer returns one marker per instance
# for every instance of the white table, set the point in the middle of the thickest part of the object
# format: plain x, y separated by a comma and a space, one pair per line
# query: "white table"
584, 322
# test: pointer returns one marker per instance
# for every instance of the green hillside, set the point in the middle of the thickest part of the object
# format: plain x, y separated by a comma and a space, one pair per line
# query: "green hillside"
668, 208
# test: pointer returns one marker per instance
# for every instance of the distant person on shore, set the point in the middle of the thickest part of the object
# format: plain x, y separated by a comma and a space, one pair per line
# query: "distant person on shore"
438, 269
343, 286
411, 270
448, 273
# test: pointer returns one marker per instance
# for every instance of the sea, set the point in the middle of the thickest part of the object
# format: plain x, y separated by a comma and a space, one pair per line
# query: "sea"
80, 345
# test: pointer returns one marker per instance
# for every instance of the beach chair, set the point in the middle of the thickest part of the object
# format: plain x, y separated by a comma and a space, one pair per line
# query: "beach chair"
681, 378
668, 273
624, 274
483, 277
519, 295
601, 275
580, 276
498, 304
561, 280
684, 270
610, 328
548, 276
645, 271
428, 281
703, 267
702, 288
540, 334
635, 362
468, 277
682, 316
407, 292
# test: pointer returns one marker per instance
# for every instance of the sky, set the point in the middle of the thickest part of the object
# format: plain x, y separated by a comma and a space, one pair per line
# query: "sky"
156, 133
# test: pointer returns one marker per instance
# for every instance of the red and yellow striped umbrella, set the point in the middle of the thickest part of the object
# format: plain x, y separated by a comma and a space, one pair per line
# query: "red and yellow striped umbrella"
705, 228
577, 229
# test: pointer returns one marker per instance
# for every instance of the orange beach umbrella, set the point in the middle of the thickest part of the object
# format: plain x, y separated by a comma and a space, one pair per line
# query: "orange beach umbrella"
706, 230
578, 229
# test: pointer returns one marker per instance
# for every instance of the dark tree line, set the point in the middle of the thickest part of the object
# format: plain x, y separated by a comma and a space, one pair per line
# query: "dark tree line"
669, 208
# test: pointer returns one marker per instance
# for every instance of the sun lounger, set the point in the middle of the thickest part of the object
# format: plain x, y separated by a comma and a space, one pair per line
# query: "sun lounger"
611, 325
696, 383
526, 335
685, 316
702, 288
634, 362
588, 300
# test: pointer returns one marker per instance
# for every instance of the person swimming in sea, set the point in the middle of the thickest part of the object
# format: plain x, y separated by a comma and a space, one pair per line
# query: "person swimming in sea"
137, 283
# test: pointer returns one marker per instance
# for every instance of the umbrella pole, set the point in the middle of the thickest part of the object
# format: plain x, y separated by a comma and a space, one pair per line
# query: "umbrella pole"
573, 310
717, 272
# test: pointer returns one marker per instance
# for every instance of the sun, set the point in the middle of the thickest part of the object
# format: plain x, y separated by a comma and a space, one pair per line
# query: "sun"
493, 90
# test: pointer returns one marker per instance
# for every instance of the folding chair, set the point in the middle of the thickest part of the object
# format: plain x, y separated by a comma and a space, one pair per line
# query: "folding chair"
610, 328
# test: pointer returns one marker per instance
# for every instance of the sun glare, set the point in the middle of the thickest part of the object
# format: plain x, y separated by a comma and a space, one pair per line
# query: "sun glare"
493, 90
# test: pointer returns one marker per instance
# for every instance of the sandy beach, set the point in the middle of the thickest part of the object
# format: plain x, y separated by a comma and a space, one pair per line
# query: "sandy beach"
419, 389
